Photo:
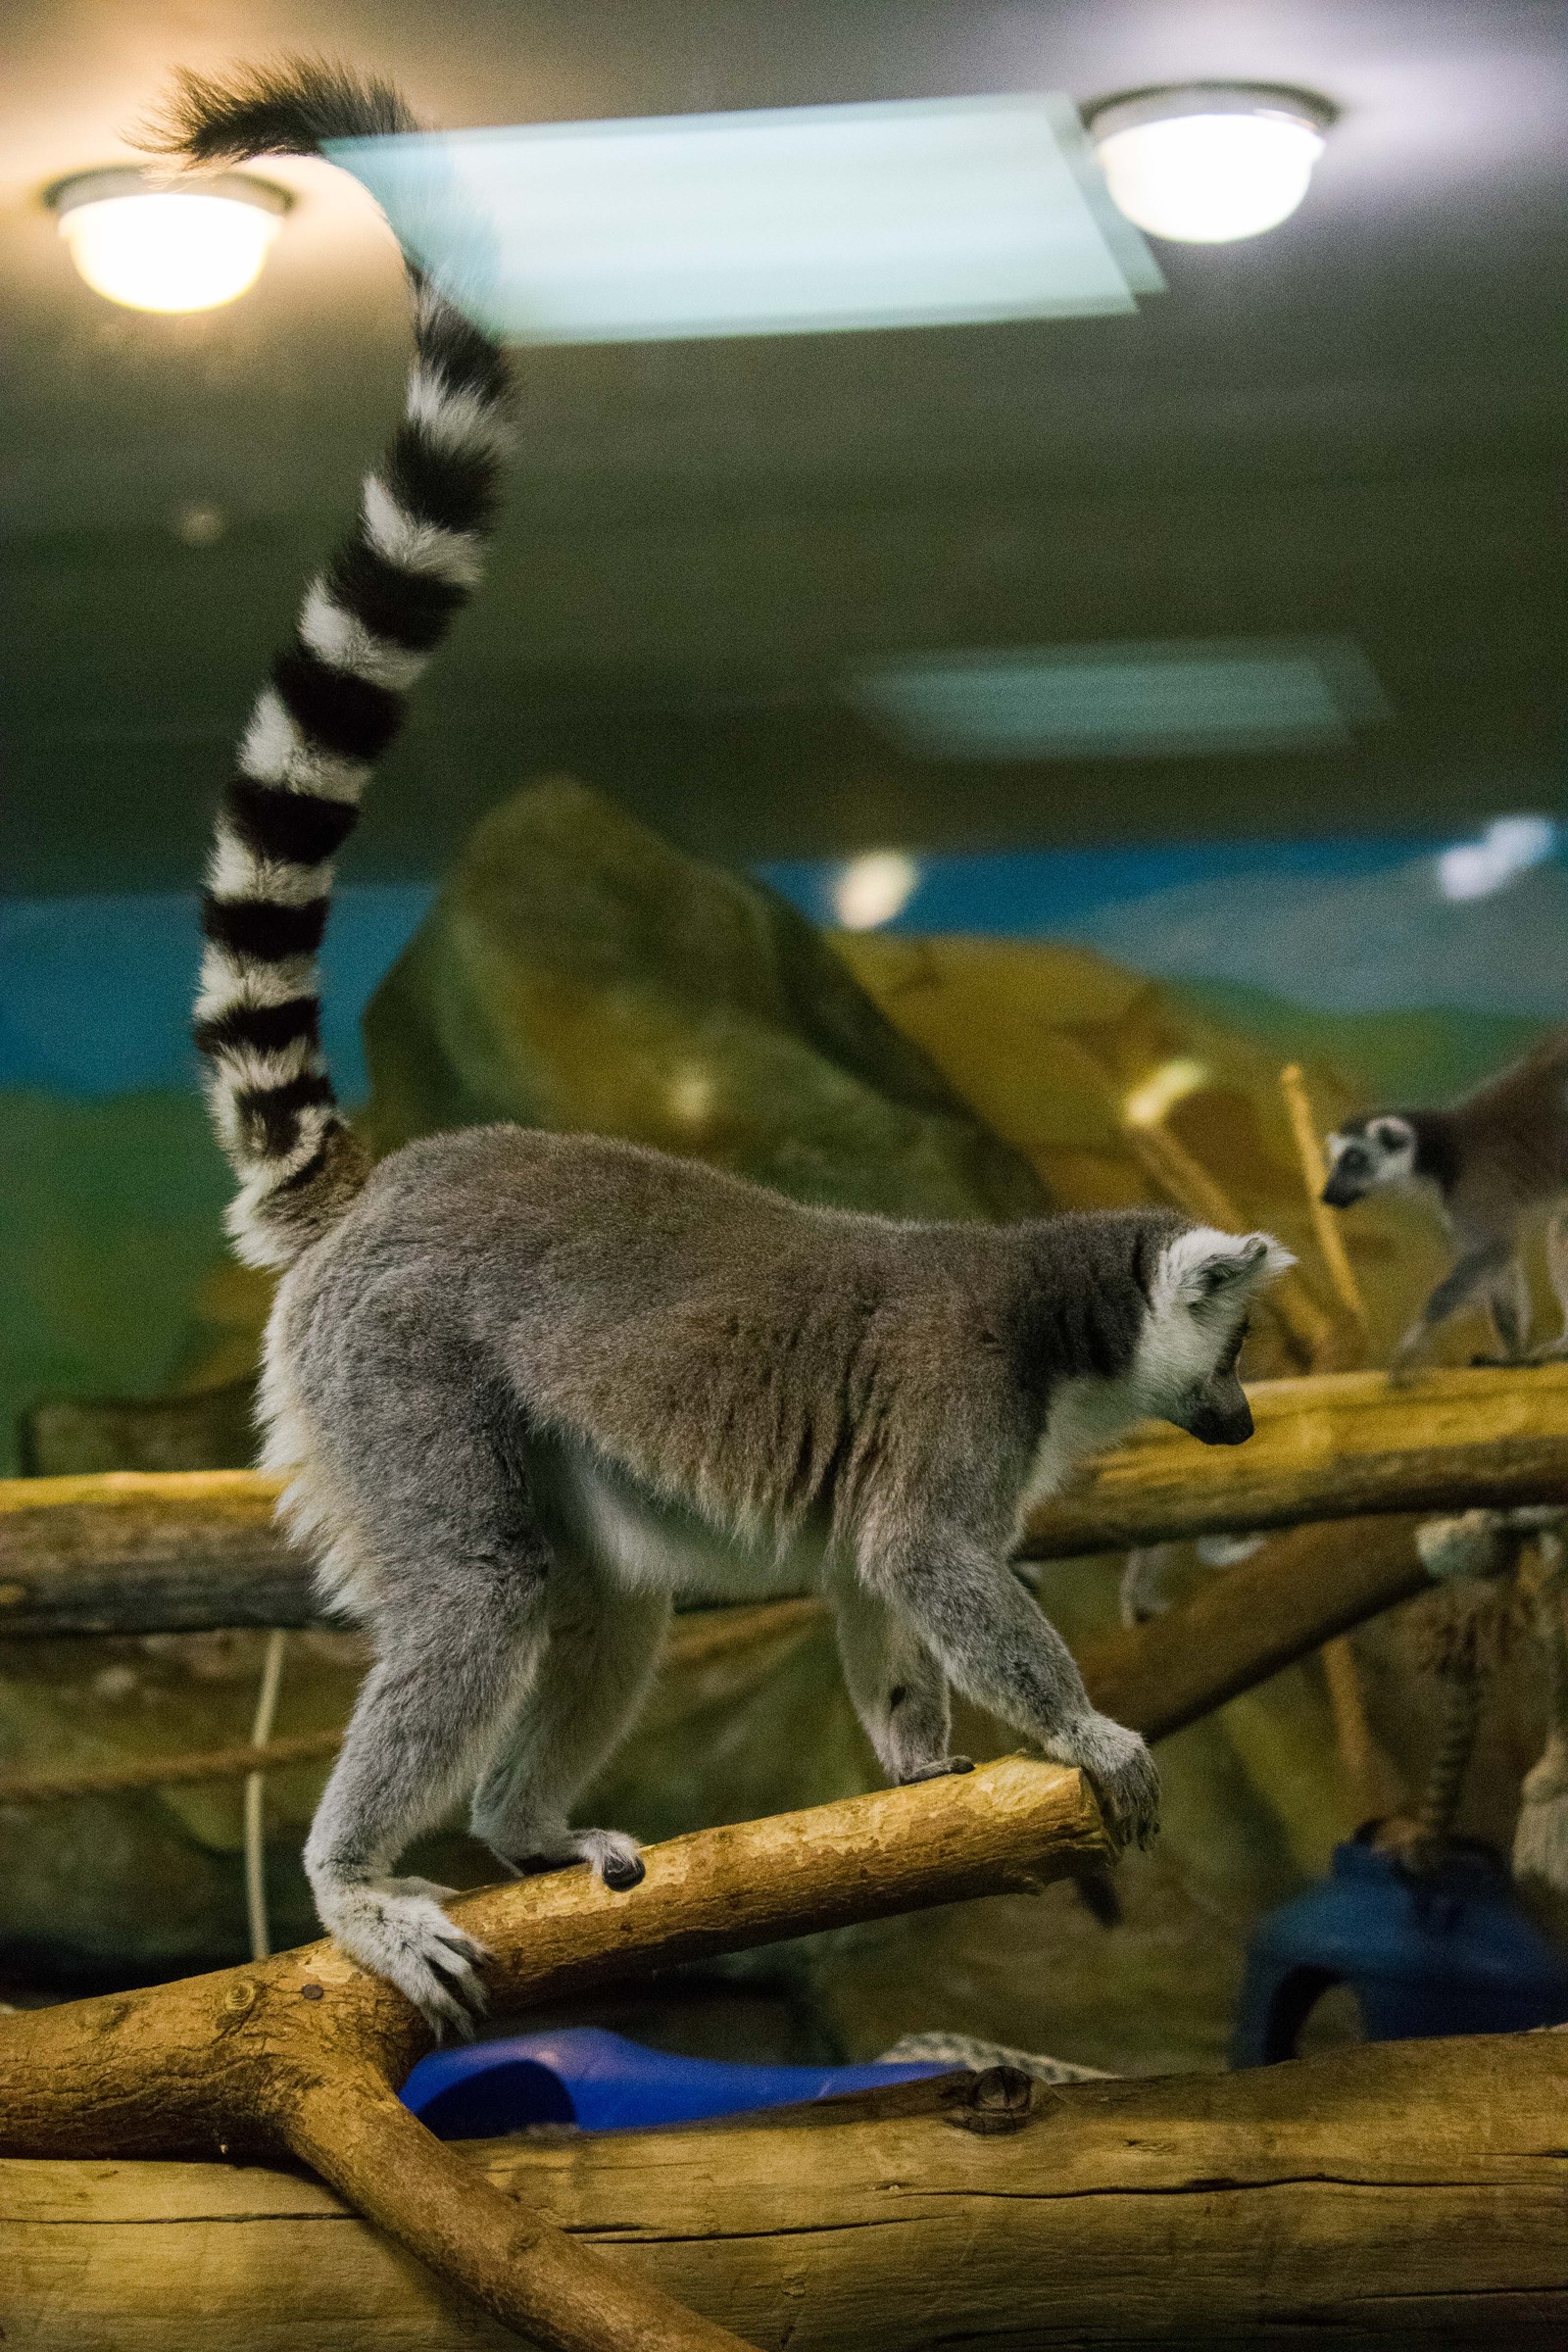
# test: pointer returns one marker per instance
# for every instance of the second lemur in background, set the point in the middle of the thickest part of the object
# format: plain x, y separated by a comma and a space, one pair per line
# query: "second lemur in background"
529, 1386
1489, 1163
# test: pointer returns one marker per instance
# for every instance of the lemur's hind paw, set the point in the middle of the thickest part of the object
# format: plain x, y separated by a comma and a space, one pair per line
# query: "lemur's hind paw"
615, 1857
397, 1928
937, 1770
610, 1854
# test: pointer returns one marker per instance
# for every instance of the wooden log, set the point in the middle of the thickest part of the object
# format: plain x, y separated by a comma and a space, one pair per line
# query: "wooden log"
1396, 2195
1338, 1445
135, 1552
147, 1551
126, 2073
297, 2053
1240, 1627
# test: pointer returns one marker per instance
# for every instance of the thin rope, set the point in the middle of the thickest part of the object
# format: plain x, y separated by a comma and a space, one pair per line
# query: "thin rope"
255, 1785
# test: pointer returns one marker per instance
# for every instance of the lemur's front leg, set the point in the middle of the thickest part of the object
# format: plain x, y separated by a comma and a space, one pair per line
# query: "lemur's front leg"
964, 1603
1472, 1276
898, 1690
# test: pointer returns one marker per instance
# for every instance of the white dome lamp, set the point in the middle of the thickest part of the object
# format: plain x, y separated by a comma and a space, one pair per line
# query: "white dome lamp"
1205, 161
159, 245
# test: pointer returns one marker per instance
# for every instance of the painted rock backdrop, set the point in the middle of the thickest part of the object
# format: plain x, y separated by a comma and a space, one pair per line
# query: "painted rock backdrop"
579, 972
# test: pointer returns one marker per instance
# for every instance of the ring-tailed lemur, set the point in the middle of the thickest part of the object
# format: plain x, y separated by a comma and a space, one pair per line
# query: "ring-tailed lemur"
1489, 1163
530, 1386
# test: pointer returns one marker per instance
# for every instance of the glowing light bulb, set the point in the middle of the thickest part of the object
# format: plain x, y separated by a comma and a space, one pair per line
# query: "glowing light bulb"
158, 248
873, 889
1209, 163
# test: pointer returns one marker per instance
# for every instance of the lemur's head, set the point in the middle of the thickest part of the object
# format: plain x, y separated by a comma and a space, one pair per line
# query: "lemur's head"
1150, 1316
1366, 1154
1203, 1287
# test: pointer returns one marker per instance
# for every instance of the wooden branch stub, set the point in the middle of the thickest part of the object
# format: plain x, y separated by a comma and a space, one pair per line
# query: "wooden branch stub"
1238, 1629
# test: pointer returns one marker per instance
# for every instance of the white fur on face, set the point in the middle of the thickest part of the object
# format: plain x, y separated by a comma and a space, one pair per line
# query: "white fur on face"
1203, 1287
1383, 1153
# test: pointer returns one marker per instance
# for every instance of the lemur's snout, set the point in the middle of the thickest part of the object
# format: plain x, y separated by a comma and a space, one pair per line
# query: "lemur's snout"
1221, 1424
1339, 1191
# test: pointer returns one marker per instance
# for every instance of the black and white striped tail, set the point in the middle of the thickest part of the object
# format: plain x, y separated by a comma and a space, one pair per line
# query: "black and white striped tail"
332, 705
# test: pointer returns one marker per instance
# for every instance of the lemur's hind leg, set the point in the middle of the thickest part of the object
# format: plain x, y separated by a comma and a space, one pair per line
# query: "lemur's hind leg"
599, 1654
454, 1655
898, 1690
1554, 1350
1507, 1297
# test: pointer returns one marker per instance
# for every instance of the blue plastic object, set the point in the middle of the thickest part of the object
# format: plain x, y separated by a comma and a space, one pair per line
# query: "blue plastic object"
1449, 1952
603, 2082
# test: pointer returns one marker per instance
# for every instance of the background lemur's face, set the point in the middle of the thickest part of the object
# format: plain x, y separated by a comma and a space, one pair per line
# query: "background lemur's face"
1366, 1154
1186, 1368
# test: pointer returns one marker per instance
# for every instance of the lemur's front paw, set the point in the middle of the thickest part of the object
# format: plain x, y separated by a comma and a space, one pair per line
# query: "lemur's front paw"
1122, 1770
397, 1928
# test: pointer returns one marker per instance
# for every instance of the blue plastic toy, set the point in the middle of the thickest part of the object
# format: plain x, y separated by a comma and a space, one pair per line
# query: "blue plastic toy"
1449, 1951
603, 2082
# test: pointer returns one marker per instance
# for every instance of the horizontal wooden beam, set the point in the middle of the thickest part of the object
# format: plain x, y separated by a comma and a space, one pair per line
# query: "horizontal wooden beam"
1396, 2195
147, 1551
1335, 1445
134, 1552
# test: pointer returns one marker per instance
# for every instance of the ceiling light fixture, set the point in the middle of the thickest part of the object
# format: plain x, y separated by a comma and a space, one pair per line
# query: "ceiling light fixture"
1207, 162
803, 219
154, 246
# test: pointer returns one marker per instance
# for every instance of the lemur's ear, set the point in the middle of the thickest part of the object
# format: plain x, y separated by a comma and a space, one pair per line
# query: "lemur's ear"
1205, 1263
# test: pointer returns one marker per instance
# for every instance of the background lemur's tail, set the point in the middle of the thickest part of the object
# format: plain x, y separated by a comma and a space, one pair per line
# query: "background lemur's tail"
336, 698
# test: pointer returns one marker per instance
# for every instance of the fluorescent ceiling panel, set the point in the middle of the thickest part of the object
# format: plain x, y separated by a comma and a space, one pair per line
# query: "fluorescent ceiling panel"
1126, 701
922, 214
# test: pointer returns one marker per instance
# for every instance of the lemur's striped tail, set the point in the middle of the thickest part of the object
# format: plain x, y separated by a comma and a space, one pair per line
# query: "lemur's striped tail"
336, 698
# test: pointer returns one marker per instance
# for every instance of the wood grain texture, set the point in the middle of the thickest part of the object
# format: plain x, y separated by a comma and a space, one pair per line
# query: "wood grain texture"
296, 2054
1402, 2196
1334, 1445
185, 1550
218, 2058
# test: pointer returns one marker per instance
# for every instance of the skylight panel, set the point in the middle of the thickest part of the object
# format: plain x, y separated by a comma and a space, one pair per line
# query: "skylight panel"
794, 220
1126, 701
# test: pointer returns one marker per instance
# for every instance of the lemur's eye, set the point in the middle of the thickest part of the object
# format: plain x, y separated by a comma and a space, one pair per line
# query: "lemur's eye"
1238, 1343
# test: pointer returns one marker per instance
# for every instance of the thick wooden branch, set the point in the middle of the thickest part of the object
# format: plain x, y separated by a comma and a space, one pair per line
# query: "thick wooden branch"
215, 2059
1338, 1446
297, 2053
137, 1552
1402, 2196
147, 1551
498, 2250
1239, 1628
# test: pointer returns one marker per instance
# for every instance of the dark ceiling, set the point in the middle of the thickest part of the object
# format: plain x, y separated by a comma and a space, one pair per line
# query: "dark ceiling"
1352, 426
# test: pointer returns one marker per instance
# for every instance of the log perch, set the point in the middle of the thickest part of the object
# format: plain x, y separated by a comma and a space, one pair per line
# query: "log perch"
1333, 1445
1399, 2196
183, 1551
297, 2055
